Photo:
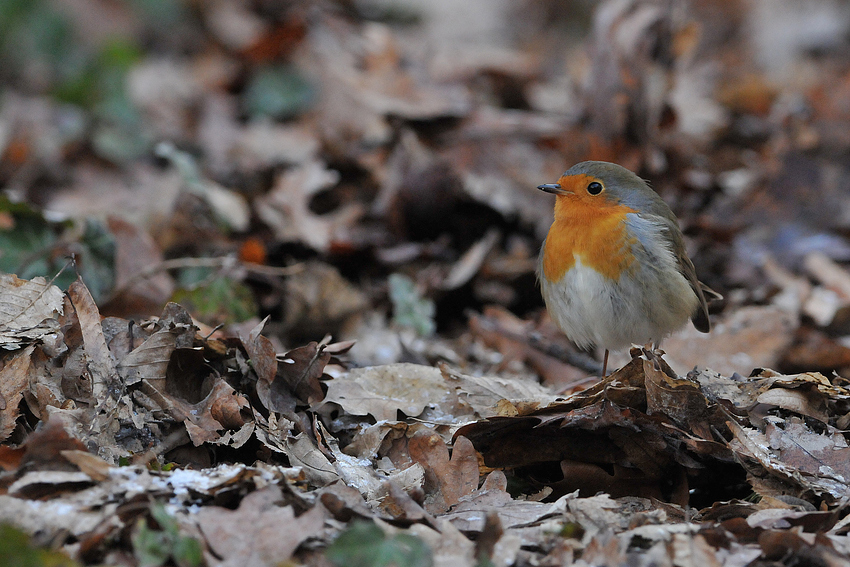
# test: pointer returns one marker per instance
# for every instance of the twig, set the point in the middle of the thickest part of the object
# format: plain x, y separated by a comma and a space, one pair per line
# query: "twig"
535, 340
217, 262
174, 439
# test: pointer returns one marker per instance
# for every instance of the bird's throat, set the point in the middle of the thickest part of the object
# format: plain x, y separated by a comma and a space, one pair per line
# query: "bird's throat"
597, 236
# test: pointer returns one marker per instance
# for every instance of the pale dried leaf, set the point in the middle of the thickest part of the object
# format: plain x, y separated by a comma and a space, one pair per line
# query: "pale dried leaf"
28, 310
285, 209
50, 516
470, 513
383, 391
100, 363
796, 400
252, 535
810, 452
92, 465
484, 394
304, 453
150, 359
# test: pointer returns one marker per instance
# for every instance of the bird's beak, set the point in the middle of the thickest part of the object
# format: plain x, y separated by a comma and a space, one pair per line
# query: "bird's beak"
553, 188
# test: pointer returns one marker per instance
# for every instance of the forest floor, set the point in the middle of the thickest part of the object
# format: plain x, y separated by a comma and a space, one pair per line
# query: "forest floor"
275, 300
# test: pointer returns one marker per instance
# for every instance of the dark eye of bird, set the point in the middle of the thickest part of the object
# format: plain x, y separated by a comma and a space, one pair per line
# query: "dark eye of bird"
594, 188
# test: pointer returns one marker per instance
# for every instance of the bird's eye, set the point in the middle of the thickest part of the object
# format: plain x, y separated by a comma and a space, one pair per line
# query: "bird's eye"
594, 188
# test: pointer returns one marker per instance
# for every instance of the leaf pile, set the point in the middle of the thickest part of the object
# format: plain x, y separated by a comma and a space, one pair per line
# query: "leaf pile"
162, 444
237, 182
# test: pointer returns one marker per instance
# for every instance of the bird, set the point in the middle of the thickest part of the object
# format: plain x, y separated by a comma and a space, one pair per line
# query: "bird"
613, 269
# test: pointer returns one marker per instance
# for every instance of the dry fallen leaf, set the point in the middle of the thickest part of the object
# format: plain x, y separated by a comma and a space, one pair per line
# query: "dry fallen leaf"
383, 391
300, 370
261, 355
149, 360
100, 362
604, 438
92, 465
485, 395
446, 480
319, 300
219, 409
303, 452
286, 209
136, 251
14, 378
260, 533
28, 310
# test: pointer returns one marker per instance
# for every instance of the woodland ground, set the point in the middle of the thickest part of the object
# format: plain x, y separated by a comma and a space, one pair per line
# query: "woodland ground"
274, 299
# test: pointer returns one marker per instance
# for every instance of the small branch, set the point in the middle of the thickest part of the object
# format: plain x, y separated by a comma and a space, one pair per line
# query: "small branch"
217, 262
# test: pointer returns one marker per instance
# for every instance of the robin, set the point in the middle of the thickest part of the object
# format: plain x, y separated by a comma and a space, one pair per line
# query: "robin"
613, 269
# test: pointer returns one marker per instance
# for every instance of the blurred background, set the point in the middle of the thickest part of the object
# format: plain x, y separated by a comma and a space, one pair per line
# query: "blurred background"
368, 168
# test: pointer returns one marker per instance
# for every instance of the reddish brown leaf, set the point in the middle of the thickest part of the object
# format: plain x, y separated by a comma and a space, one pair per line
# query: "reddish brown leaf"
301, 368
10, 458
136, 251
679, 399
446, 480
201, 418
274, 395
92, 465
100, 363
400, 506
44, 447
14, 378
226, 407
259, 532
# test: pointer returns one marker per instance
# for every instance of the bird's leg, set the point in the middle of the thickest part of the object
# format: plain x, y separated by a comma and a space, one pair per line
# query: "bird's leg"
605, 364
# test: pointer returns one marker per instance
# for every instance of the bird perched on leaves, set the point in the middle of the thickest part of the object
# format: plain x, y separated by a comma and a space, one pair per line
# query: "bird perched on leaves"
613, 270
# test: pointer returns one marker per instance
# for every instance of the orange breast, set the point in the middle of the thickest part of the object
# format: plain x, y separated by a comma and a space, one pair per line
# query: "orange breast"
592, 231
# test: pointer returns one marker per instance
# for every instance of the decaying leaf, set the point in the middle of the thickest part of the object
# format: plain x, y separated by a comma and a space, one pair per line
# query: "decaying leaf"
446, 480
470, 514
28, 310
92, 465
319, 300
14, 379
608, 427
220, 408
135, 252
485, 394
100, 362
383, 391
286, 208
303, 452
300, 370
253, 534
149, 361
794, 459
261, 355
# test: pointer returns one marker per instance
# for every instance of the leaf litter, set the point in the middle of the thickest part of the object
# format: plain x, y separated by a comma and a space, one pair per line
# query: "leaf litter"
654, 443
368, 176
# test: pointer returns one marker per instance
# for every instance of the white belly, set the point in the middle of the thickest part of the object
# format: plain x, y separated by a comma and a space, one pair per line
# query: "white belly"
637, 309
